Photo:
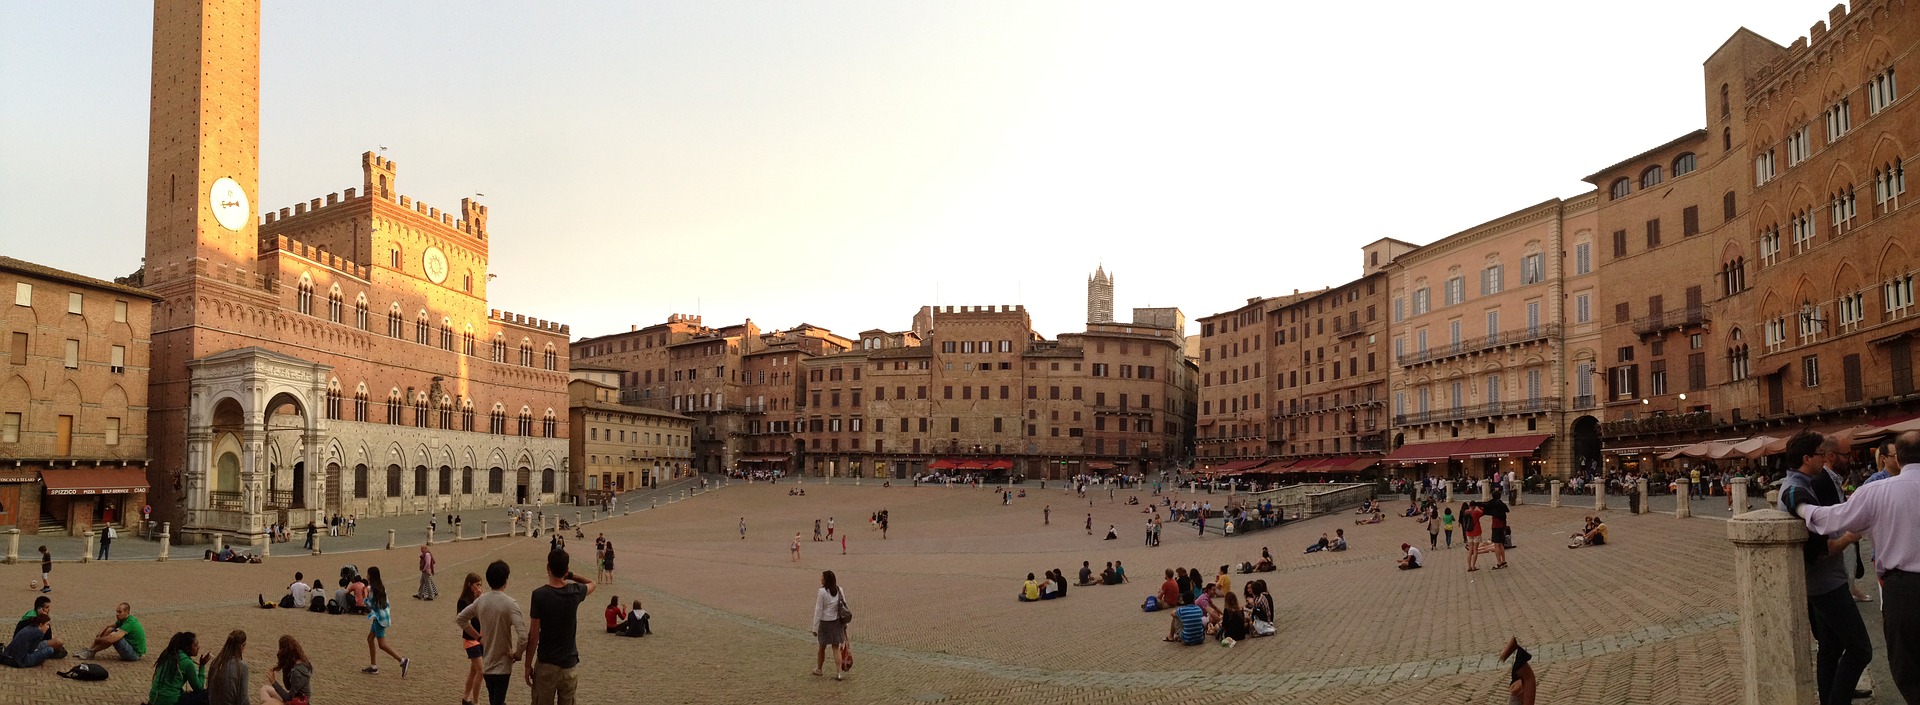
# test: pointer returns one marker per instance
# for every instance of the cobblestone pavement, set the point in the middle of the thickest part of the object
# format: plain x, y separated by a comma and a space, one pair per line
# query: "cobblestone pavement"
1648, 619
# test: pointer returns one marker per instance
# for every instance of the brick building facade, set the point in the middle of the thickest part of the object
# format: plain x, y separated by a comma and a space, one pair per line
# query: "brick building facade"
73, 400
616, 447
336, 356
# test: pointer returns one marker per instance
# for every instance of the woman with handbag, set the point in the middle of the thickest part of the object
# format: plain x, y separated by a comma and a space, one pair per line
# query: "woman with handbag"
830, 618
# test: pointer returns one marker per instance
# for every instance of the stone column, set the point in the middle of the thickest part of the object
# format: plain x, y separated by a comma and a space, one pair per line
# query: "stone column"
430, 533
576, 517
315, 493
1449, 484
1682, 499
1599, 494
1737, 487
390, 536
1486, 490
166, 539
13, 545
88, 556
1642, 489
219, 543
1775, 646
266, 549
483, 530
1553, 494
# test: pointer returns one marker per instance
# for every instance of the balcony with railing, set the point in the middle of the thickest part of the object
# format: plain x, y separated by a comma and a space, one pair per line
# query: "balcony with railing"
1585, 401
1654, 324
1504, 408
1480, 344
1657, 424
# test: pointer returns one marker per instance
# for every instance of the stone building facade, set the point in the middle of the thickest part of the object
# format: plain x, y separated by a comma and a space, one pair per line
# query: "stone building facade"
616, 447
338, 356
1233, 421
975, 389
1329, 393
1479, 345
73, 400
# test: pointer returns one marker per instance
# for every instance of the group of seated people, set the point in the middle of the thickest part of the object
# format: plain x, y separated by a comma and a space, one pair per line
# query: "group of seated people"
1216, 611
1375, 519
796, 492
1113, 574
1052, 586
1339, 542
32, 641
1595, 534
350, 598
228, 555
624, 622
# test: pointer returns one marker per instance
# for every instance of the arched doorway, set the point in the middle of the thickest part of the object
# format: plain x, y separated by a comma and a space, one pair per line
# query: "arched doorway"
1586, 445
334, 487
522, 477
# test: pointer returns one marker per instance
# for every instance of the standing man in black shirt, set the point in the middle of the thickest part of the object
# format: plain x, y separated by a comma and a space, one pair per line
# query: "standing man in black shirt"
551, 652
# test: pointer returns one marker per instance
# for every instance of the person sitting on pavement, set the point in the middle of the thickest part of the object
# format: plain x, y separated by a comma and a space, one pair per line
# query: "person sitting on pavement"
31, 645
1188, 626
1107, 577
1339, 540
638, 623
361, 593
1320, 545
1031, 591
1411, 559
1112, 533
298, 593
177, 676
1594, 535
125, 636
1233, 621
1169, 596
1059, 583
616, 615
1086, 573
1366, 507
1375, 519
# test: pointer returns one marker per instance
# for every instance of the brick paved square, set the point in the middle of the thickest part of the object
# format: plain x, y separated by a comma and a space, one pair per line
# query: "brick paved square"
1648, 619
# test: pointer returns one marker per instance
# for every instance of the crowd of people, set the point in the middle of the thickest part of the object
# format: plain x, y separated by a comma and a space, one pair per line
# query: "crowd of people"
1204, 608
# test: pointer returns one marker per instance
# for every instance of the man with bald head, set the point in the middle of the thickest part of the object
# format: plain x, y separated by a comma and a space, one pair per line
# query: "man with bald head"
1889, 511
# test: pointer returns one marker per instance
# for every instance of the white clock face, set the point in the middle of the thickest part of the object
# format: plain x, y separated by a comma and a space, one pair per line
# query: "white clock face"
435, 262
229, 204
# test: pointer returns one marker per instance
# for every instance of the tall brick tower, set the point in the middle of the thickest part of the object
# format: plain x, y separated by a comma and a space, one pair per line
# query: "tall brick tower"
1100, 296
203, 173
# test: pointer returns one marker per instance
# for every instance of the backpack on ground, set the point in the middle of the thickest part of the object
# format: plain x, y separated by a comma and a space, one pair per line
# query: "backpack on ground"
1151, 605
333, 607
85, 672
286, 602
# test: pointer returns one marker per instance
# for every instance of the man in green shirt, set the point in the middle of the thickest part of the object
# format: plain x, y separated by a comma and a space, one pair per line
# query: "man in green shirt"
125, 636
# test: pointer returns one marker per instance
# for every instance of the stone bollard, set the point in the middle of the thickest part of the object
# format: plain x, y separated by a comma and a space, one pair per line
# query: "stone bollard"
1737, 492
390, 536
1486, 490
317, 537
13, 545
1775, 646
1449, 492
655, 502
457, 532
1519, 493
483, 530
576, 517
1773, 498
1682, 499
430, 532
219, 543
1642, 489
1553, 494
88, 556
1599, 495
166, 540
266, 549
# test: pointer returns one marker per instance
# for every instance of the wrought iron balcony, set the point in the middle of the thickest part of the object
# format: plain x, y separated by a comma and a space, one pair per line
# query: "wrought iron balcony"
1692, 317
1505, 408
1480, 344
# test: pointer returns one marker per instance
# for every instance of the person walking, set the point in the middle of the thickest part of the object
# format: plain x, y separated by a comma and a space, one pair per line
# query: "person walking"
830, 619
428, 590
1089, 524
743, 528
795, 548
470, 590
1470, 527
1889, 510
1433, 529
606, 563
1845, 649
380, 615
551, 626
46, 570
494, 622
1046, 515
106, 542
829, 526
1446, 525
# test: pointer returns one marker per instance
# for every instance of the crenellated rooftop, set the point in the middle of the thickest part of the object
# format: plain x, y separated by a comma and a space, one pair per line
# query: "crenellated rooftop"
529, 322
282, 243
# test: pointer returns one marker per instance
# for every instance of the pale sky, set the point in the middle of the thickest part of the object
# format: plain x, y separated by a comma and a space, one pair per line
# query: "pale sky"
842, 163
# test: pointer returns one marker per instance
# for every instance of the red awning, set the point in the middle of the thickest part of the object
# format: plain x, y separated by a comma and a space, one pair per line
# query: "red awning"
94, 481
1499, 447
943, 464
1423, 452
1350, 464
1099, 465
1274, 467
1002, 464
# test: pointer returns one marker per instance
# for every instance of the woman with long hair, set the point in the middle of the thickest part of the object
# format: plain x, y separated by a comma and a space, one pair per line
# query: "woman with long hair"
1233, 621
470, 591
227, 675
606, 563
291, 680
179, 679
380, 613
828, 627
616, 617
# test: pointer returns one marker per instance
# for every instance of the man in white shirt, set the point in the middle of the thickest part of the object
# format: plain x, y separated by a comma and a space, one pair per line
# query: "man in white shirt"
502, 632
300, 591
1411, 560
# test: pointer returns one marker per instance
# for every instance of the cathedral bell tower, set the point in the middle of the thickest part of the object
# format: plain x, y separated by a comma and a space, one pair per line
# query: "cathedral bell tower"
203, 156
